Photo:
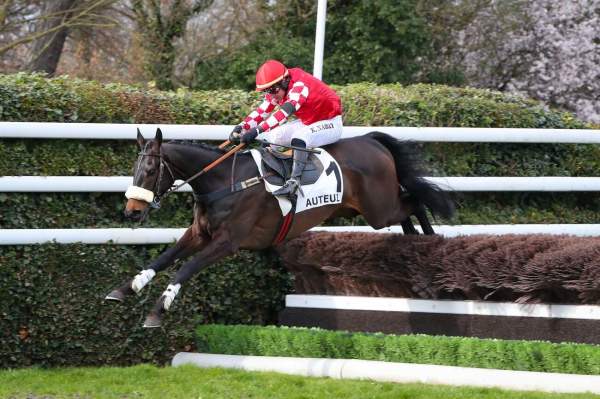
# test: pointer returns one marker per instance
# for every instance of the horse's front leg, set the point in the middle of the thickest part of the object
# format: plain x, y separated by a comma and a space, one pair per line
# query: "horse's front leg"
189, 243
217, 248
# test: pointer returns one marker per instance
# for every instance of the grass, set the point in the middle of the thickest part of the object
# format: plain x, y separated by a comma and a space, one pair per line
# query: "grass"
147, 381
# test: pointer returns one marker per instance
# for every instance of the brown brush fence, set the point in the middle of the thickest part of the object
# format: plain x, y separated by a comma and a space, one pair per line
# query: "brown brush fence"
524, 269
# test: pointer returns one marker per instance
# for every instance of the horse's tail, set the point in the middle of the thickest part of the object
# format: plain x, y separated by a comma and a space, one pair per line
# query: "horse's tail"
408, 162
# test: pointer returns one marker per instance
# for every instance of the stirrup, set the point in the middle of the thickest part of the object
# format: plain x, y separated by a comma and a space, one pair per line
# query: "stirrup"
289, 188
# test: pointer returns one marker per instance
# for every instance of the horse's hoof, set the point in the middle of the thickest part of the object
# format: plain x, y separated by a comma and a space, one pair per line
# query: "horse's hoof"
120, 293
116, 295
152, 321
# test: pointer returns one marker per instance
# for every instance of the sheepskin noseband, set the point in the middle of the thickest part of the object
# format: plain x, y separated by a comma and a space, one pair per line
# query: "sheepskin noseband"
138, 193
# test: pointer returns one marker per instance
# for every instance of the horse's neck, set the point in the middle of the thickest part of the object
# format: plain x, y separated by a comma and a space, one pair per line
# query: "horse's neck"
189, 160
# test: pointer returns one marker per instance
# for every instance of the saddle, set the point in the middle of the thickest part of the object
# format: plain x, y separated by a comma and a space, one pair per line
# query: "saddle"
277, 167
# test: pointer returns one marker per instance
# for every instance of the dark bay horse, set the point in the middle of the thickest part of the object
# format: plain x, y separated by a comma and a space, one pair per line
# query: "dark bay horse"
381, 181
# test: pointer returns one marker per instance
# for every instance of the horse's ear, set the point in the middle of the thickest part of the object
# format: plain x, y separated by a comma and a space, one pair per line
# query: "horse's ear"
140, 138
158, 137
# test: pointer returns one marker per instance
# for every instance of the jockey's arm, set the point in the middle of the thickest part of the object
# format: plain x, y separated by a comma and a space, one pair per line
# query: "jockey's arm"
296, 97
259, 114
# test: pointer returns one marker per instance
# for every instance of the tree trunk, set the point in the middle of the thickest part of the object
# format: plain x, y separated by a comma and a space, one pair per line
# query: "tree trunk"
47, 49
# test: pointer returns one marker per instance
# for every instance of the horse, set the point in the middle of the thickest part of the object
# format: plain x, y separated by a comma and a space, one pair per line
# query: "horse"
382, 181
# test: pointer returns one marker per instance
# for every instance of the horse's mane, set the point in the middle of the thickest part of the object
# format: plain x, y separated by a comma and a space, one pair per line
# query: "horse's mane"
197, 144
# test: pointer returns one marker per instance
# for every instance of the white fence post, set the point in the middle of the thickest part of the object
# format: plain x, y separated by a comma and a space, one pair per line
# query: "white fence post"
320, 39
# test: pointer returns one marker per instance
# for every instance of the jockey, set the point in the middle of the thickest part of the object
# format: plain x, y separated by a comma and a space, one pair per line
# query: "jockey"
317, 107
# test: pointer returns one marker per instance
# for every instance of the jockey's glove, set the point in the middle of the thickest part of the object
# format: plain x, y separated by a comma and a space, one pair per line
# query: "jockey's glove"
250, 135
234, 136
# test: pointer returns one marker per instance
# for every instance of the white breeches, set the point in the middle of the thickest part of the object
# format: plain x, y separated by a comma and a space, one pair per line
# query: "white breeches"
317, 134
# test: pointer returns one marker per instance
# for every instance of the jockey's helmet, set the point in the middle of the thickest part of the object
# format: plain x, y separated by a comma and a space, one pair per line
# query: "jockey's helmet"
269, 73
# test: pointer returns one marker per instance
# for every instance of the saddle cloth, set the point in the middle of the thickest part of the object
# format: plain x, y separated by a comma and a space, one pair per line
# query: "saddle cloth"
321, 181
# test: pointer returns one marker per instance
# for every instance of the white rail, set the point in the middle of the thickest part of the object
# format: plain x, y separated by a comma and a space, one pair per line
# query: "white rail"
221, 132
32, 184
90, 236
471, 308
581, 230
138, 236
398, 372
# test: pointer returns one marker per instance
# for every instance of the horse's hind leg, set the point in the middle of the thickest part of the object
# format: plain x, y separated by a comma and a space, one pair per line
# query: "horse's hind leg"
408, 227
413, 207
421, 215
189, 243
217, 248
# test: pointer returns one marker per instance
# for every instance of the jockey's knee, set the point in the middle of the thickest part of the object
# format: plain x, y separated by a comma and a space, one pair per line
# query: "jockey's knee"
297, 142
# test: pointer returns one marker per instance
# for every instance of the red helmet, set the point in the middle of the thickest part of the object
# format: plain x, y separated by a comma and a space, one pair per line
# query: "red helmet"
270, 73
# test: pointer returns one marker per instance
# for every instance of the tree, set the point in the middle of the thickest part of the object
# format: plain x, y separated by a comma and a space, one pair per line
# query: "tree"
545, 49
51, 33
160, 23
210, 36
562, 66
105, 52
365, 41
42, 26
15, 17
236, 69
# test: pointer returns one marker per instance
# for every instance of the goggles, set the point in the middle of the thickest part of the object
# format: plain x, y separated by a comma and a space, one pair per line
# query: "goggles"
273, 89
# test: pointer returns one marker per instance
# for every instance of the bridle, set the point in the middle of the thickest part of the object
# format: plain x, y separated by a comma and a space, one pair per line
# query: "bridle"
156, 196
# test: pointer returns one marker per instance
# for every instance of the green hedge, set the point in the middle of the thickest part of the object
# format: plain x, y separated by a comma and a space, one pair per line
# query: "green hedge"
424, 349
67, 210
53, 310
33, 98
26, 97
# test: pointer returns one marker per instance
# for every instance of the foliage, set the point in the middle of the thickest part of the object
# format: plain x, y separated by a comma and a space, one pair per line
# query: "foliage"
231, 70
70, 210
53, 313
365, 41
31, 97
184, 382
160, 25
422, 349
437, 105
564, 69
374, 41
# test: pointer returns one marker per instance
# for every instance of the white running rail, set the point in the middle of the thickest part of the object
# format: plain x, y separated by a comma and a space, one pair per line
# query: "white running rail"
398, 372
57, 184
47, 130
140, 236
41, 130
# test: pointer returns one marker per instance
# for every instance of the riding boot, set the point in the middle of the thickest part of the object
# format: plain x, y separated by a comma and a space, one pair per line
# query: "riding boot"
293, 184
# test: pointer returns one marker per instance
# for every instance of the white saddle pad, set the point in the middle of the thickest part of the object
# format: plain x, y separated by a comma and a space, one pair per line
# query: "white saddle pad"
327, 190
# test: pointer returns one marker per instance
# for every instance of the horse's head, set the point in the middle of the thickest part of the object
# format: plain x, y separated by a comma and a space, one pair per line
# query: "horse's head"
152, 177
